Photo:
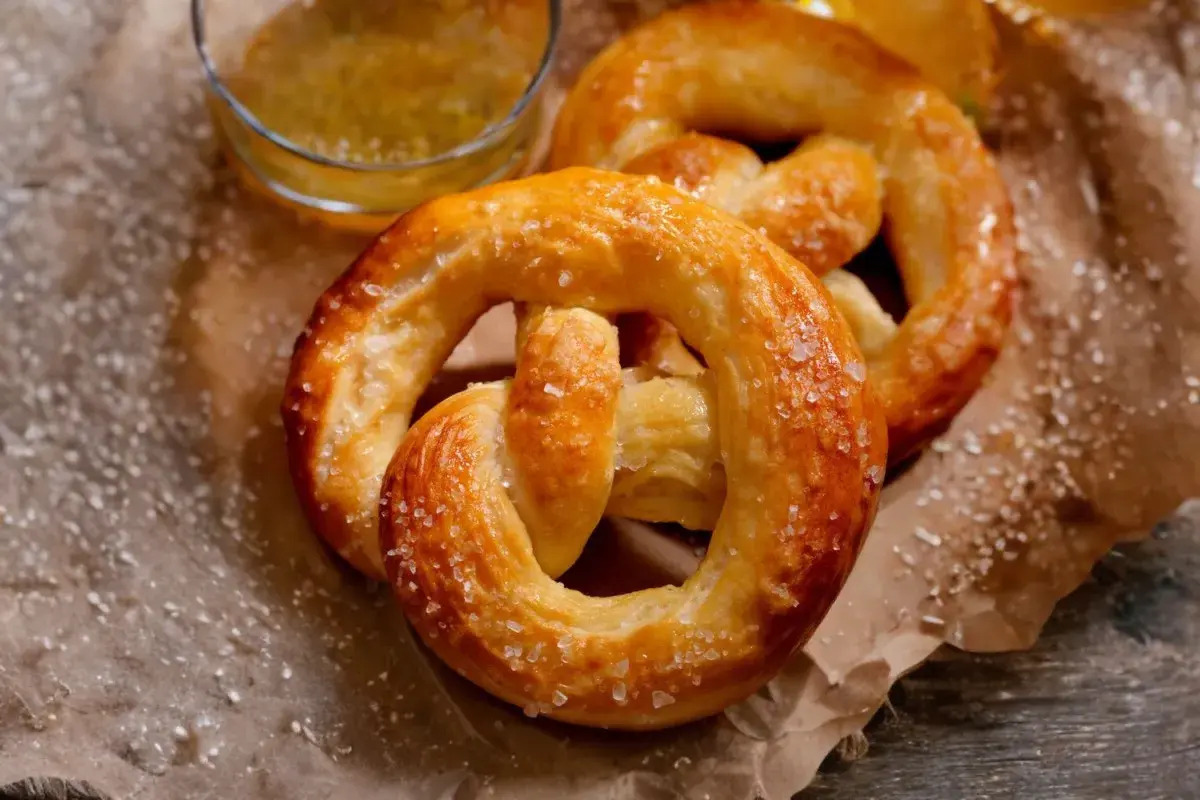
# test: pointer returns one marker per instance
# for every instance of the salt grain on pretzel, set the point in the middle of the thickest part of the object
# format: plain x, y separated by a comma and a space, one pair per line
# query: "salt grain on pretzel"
767, 72
801, 442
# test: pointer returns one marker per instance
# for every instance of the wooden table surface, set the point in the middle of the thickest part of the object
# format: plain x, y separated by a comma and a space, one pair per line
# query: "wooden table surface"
1107, 705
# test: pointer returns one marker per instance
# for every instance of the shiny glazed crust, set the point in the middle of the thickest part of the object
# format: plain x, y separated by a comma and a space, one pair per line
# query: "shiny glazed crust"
802, 441
821, 203
768, 72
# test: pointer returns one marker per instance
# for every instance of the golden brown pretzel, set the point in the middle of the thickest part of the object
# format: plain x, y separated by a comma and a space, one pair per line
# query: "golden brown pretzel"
822, 203
562, 409
802, 442
768, 72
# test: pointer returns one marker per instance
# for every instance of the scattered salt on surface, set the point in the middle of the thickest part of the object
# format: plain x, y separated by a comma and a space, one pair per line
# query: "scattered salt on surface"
927, 536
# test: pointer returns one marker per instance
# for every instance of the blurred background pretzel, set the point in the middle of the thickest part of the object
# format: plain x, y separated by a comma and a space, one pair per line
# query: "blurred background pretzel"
894, 148
494, 492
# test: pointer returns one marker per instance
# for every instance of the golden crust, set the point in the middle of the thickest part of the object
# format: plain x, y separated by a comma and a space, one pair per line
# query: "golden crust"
669, 465
822, 203
767, 72
560, 429
953, 42
801, 438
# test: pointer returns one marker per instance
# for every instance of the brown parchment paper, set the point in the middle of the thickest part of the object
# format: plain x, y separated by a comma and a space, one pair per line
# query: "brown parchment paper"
170, 628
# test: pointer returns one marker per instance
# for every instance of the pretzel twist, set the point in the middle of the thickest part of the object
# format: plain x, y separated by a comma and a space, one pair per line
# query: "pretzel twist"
503, 476
770, 73
822, 203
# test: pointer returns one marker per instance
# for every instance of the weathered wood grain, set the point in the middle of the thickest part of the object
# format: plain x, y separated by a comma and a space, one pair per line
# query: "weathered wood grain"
1107, 705
50, 789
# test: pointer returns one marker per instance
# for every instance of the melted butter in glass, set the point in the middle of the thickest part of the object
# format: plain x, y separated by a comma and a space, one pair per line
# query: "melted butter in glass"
386, 81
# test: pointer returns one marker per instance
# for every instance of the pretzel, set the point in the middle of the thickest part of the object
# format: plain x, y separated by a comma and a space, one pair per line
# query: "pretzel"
767, 72
504, 474
822, 203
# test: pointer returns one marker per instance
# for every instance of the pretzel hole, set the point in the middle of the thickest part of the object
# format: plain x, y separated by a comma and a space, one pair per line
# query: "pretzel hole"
621, 555
768, 151
484, 355
876, 267
625, 556
636, 342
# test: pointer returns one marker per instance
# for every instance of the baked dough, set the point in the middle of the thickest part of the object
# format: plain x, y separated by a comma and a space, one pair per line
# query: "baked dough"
802, 441
767, 72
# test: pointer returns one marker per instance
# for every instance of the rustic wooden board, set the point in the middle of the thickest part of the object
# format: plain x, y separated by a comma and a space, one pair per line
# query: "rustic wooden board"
1107, 705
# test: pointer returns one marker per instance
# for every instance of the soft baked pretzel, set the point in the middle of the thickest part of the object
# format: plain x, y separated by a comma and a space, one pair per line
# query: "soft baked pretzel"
822, 203
485, 483
771, 73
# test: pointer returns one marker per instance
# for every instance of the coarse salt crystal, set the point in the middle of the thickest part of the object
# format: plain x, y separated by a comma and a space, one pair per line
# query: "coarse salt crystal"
661, 699
802, 350
927, 536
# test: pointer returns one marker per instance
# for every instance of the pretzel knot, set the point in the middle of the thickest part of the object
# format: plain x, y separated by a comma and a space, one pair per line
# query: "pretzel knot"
893, 150
494, 492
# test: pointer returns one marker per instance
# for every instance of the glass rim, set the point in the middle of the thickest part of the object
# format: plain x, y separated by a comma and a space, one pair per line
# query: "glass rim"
489, 136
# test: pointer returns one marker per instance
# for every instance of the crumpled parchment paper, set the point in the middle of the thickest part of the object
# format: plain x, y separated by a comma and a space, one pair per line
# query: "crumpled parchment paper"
169, 627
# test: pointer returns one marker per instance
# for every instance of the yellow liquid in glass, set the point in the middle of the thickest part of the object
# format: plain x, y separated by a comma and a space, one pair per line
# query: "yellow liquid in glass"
389, 81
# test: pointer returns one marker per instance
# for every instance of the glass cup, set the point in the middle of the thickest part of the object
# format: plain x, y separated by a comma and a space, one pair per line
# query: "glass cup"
348, 193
